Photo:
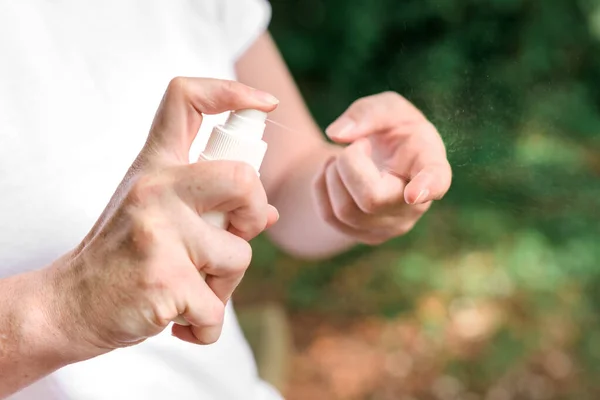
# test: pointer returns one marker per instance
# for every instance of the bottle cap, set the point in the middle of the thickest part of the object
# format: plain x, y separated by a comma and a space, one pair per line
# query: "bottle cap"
239, 138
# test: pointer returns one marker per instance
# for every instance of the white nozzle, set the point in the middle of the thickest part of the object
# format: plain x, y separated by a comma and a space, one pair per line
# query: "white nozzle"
239, 138
251, 121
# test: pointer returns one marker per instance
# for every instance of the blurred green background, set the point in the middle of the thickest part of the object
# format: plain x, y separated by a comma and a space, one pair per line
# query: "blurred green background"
495, 294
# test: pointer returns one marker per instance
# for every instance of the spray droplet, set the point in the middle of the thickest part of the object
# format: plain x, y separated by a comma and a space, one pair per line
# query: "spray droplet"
281, 125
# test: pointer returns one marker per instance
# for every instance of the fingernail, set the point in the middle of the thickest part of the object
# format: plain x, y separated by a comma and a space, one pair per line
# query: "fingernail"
422, 195
266, 97
340, 128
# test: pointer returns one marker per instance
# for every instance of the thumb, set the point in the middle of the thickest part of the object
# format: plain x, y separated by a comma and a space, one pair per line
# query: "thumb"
344, 129
179, 115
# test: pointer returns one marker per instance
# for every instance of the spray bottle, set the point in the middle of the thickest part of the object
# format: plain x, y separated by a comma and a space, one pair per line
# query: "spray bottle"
238, 139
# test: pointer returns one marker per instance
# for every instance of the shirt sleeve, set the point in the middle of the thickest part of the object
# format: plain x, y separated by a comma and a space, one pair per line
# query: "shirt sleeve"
243, 22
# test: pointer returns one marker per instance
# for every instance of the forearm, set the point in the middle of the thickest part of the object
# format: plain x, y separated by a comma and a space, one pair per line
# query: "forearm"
30, 346
296, 153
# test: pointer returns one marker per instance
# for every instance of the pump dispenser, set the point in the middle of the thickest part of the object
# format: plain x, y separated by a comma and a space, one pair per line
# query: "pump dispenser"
238, 139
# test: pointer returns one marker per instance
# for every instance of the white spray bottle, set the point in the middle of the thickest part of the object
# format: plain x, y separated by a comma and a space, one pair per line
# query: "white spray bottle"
238, 139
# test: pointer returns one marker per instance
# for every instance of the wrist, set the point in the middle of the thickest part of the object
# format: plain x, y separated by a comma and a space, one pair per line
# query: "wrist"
295, 198
47, 326
29, 345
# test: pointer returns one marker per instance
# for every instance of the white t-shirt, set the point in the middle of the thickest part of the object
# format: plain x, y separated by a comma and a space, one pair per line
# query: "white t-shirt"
79, 85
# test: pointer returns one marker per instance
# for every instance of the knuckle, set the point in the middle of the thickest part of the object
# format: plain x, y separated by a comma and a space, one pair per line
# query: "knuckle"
390, 95
237, 260
215, 313
145, 189
244, 258
244, 177
238, 264
177, 85
362, 105
160, 315
369, 202
222, 92
368, 102
393, 102
154, 286
227, 88
143, 236
254, 228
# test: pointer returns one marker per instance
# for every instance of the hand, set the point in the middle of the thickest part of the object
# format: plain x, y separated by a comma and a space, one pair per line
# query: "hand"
139, 267
380, 185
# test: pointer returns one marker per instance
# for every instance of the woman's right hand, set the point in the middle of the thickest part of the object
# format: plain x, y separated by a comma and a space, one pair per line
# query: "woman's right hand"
140, 266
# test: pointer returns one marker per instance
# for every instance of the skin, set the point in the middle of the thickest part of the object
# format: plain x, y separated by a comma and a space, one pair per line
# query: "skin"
336, 193
387, 167
140, 265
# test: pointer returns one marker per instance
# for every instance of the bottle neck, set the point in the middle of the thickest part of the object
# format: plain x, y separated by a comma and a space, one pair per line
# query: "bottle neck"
234, 145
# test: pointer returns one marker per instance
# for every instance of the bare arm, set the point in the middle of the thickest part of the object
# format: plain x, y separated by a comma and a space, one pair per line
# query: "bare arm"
30, 347
138, 268
294, 158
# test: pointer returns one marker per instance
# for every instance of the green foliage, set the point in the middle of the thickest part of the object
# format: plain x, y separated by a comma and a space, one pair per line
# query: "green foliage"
514, 88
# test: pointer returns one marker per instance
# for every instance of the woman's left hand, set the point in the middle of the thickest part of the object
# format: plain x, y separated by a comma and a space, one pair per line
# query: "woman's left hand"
395, 165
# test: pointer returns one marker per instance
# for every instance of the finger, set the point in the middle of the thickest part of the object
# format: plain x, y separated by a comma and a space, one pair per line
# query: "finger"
375, 113
384, 224
179, 115
204, 312
225, 186
226, 269
343, 206
272, 216
372, 190
325, 210
431, 183
184, 332
219, 255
